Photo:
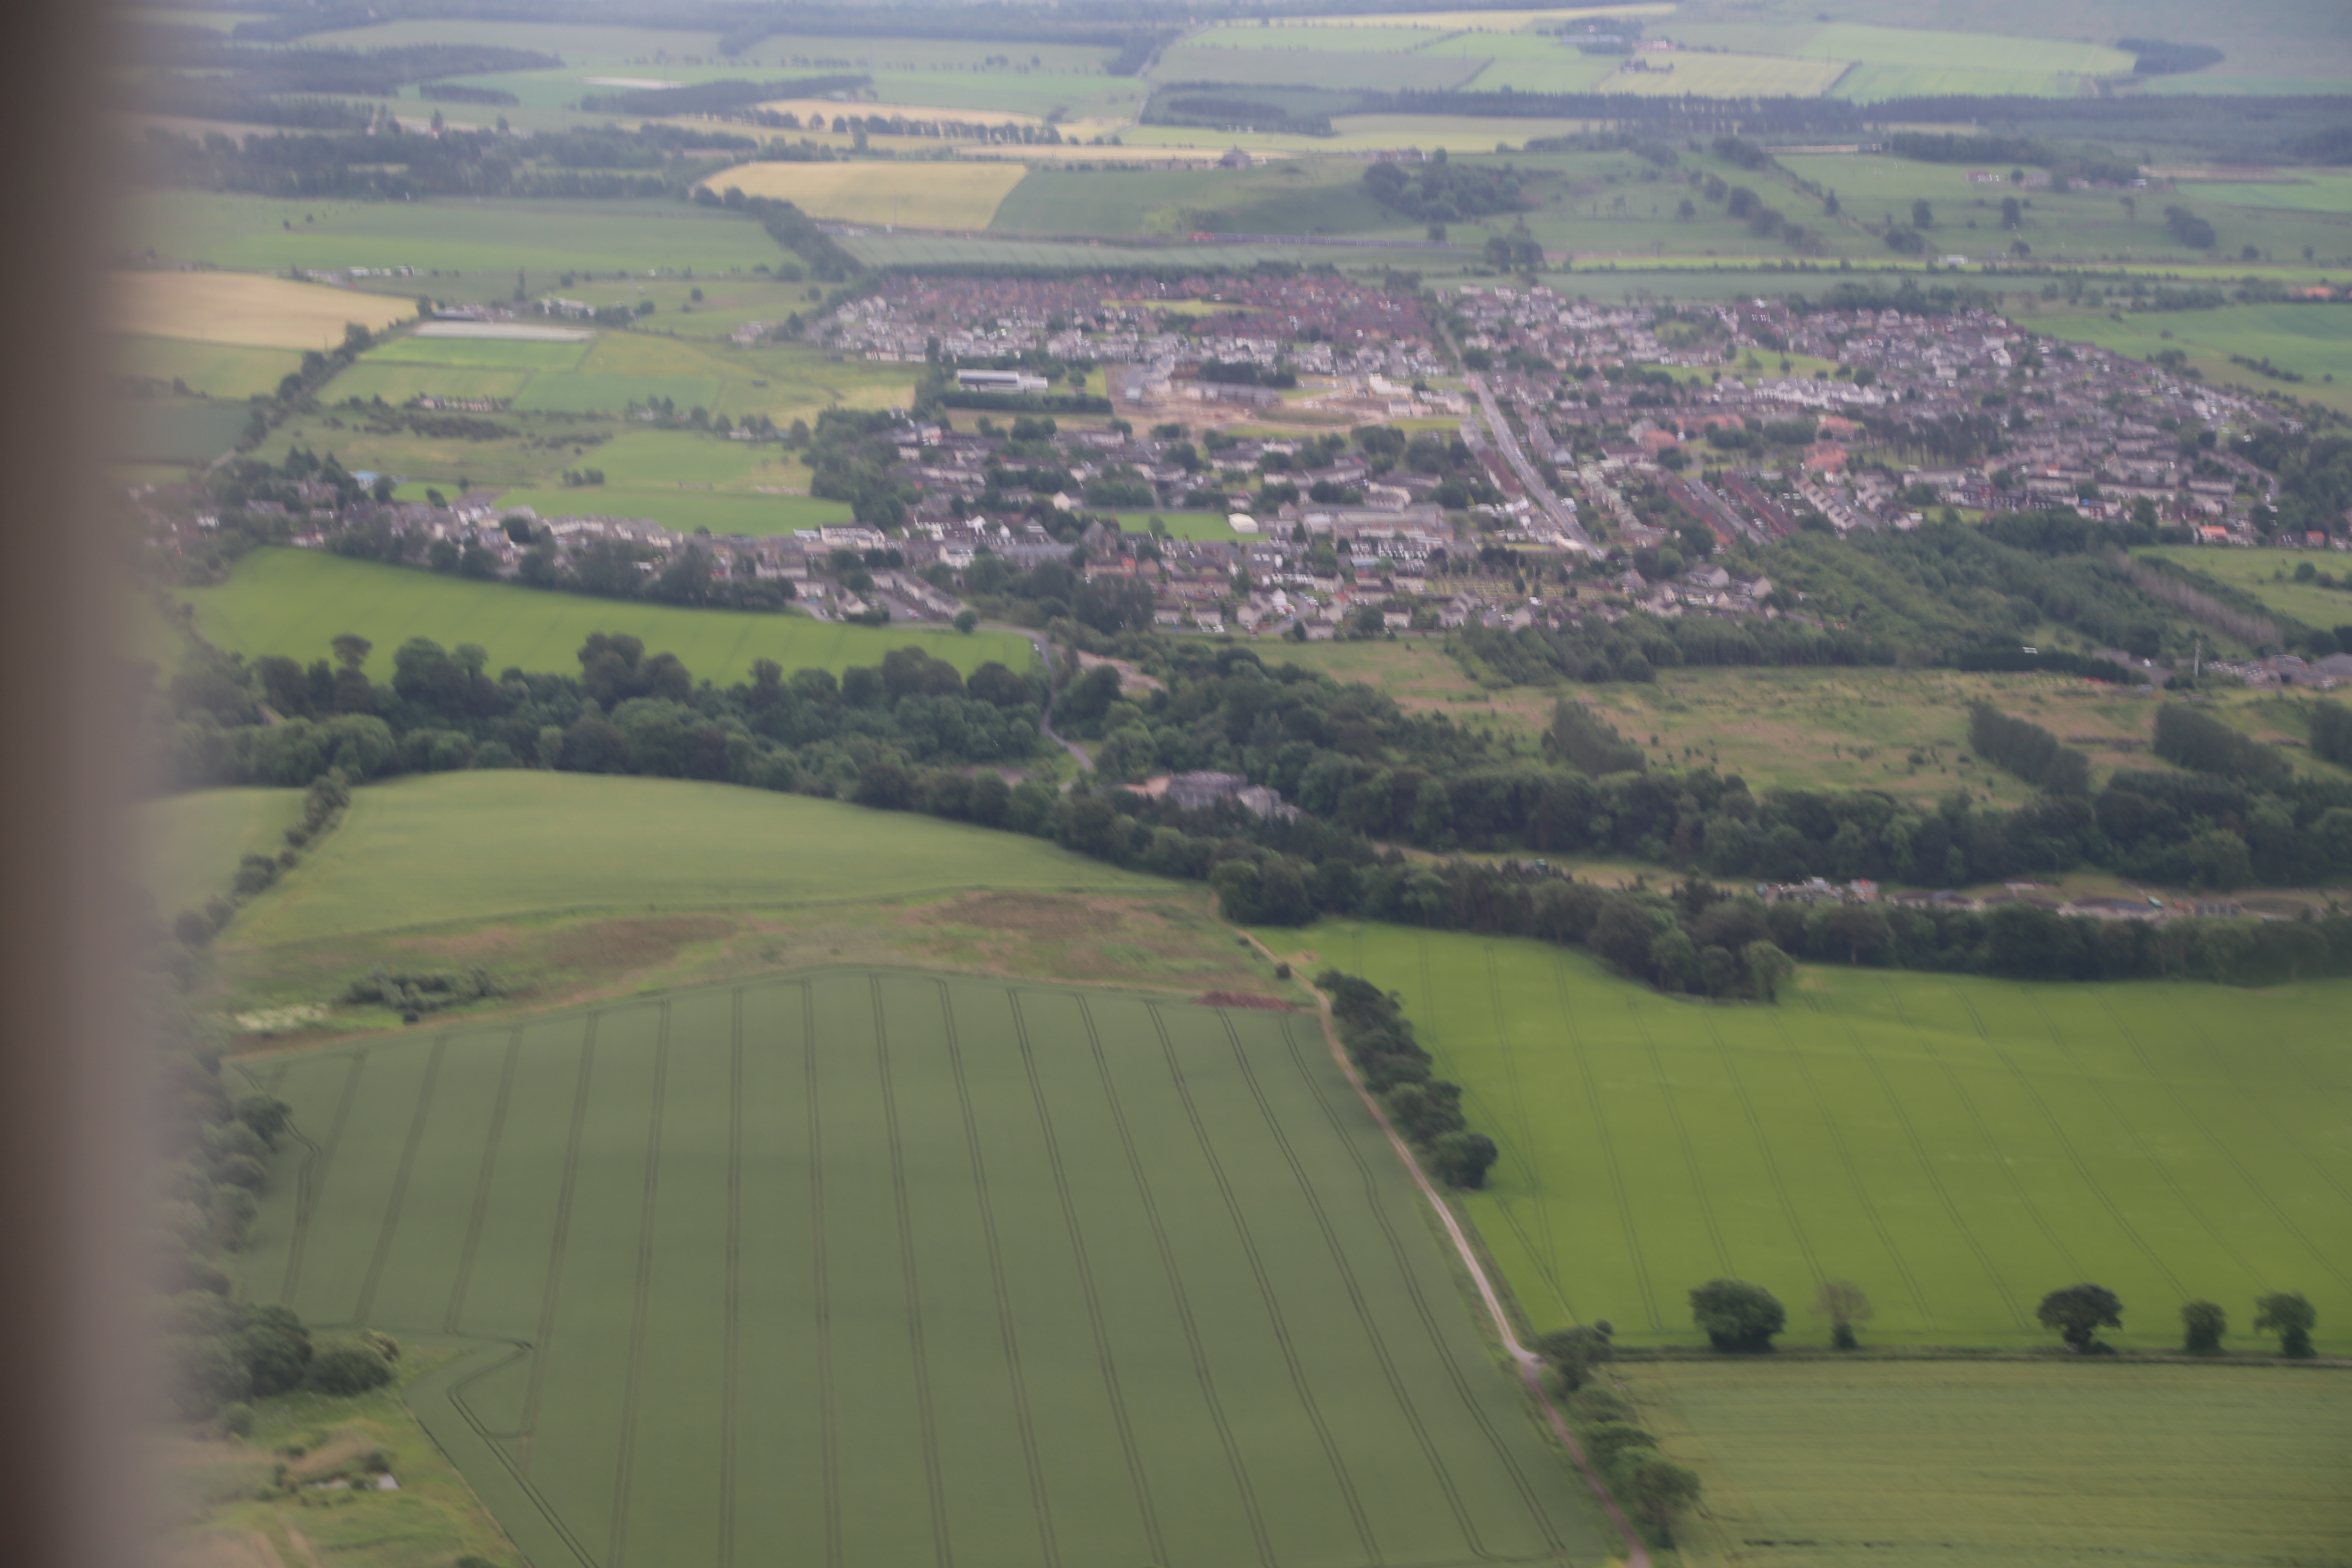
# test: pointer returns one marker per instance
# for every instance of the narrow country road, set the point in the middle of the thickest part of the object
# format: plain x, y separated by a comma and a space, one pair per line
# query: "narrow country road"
1530, 1365
1045, 647
1538, 492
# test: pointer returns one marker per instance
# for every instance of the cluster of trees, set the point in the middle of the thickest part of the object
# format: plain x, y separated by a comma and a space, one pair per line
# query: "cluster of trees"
322, 808
2077, 1312
2027, 749
1653, 1488
622, 712
222, 1354
1378, 1038
1441, 192
358, 163
2195, 740
1365, 777
219, 1353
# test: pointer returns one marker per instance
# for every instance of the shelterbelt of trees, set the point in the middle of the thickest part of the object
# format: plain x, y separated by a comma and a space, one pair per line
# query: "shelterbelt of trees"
1368, 780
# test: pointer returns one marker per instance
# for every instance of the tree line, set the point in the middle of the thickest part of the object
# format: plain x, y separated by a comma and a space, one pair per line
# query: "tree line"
1366, 779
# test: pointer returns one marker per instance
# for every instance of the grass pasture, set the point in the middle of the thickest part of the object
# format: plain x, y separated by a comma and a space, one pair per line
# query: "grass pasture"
188, 846
1957, 1147
213, 370
1987, 1465
932, 195
1189, 64
905, 1267
296, 602
265, 234
237, 308
175, 429
1871, 83
1727, 76
439, 849
1959, 51
2269, 575
720, 511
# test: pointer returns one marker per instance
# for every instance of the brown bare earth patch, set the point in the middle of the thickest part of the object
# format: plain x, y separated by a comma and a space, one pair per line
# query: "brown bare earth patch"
1242, 999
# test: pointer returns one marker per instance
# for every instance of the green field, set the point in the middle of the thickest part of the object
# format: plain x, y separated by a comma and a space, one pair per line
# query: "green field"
396, 382
174, 429
1289, 197
721, 512
1187, 64
2269, 575
2314, 342
1877, 83
188, 845
480, 353
1955, 1147
1985, 1466
2073, 227
493, 844
1959, 51
216, 370
1181, 524
264, 233
902, 1267
566, 411
297, 602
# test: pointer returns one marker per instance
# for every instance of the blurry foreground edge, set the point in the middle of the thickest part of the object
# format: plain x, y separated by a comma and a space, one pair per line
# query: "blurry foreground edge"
71, 1156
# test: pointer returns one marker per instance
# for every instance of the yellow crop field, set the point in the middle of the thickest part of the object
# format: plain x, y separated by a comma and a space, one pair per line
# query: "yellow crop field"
803, 107
1682, 71
244, 308
928, 196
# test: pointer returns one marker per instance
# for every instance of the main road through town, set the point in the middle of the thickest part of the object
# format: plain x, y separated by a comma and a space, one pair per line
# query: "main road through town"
1562, 517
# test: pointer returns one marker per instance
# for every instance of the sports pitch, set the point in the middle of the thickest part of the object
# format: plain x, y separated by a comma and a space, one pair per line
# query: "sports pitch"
297, 602
1957, 1147
882, 1268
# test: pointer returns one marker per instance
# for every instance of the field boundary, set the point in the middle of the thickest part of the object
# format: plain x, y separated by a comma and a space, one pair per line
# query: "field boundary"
1530, 1365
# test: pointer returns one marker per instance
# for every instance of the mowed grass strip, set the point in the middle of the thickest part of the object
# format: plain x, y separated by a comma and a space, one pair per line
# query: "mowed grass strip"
932, 195
297, 602
906, 1268
240, 308
1957, 1147
1978, 1465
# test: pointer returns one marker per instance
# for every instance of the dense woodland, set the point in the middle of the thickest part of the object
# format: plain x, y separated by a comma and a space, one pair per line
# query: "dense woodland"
1369, 781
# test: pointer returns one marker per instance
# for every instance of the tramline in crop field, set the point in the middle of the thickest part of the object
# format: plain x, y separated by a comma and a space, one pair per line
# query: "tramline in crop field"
901, 1268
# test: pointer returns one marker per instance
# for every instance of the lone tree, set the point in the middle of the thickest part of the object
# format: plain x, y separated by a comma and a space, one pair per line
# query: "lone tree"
1843, 1304
1658, 1490
2286, 1314
2203, 1323
1738, 1315
2078, 1313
